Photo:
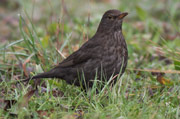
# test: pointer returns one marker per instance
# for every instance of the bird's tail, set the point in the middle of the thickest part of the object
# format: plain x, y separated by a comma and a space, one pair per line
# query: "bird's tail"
54, 73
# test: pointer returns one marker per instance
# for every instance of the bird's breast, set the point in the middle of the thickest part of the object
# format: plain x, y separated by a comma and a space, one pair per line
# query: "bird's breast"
115, 51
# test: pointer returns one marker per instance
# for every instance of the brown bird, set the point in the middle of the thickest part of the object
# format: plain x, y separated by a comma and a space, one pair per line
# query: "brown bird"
102, 56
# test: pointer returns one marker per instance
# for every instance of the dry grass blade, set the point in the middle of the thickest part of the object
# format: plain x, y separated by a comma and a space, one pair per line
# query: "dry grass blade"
64, 57
24, 65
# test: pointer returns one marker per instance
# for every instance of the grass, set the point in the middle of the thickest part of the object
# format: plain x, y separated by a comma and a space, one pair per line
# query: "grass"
152, 34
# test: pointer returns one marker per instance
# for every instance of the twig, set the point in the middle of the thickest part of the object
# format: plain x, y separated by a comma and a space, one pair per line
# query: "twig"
156, 71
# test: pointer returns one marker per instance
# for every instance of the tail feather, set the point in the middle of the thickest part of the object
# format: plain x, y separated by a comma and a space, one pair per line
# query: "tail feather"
45, 75
54, 73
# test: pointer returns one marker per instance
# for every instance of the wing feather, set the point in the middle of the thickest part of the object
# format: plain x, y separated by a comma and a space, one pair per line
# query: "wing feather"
85, 53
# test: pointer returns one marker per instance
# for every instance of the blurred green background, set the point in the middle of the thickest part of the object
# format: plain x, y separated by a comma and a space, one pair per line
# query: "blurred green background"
36, 35
151, 29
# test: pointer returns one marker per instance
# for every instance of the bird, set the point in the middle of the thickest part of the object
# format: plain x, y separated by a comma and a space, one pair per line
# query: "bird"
103, 55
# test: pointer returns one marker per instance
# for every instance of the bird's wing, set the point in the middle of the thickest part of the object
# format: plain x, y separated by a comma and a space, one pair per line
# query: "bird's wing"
86, 52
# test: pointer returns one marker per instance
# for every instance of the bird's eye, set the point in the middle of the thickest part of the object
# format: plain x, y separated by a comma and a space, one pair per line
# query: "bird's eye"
110, 17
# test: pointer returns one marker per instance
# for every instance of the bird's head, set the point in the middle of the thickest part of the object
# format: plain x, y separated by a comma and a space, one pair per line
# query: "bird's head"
111, 20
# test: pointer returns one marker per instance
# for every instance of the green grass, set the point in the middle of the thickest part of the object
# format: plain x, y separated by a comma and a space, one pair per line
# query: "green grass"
149, 30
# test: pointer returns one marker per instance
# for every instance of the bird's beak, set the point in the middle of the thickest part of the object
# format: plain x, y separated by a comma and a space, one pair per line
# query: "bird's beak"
122, 15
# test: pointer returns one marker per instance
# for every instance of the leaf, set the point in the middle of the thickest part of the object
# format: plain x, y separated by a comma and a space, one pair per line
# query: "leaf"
45, 41
177, 64
141, 13
163, 80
